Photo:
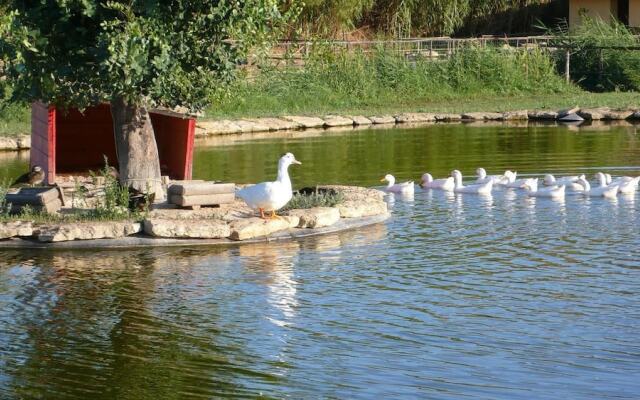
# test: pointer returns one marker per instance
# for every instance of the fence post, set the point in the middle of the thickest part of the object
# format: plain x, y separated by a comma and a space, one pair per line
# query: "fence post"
567, 65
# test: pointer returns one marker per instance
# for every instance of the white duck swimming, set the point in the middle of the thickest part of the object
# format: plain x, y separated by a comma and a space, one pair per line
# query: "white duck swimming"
480, 188
629, 186
484, 178
271, 196
605, 191
405, 188
512, 182
571, 182
506, 179
428, 182
554, 192
619, 180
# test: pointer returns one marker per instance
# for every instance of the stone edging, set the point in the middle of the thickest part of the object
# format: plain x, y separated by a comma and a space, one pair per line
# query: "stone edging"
343, 224
17, 143
206, 128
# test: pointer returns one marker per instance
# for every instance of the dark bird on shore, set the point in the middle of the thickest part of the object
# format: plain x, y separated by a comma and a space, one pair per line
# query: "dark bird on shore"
33, 177
113, 172
139, 201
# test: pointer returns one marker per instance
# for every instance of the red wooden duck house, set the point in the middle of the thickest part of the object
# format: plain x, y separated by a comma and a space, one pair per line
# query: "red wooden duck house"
71, 142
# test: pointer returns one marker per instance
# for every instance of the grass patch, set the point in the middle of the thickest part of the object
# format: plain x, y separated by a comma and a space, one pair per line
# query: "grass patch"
15, 119
385, 81
311, 198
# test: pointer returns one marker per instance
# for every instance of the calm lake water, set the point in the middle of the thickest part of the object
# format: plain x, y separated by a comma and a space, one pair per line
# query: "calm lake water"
456, 296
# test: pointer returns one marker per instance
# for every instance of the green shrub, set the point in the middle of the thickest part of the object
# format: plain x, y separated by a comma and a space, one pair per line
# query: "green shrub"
597, 61
341, 80
304, 200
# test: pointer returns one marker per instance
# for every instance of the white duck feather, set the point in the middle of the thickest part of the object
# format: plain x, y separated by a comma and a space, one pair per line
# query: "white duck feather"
271, 196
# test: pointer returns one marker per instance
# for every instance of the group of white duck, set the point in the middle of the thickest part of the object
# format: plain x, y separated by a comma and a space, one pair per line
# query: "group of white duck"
551, 187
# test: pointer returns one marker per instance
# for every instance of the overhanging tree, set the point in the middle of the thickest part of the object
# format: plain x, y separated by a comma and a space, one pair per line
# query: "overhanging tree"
135, 55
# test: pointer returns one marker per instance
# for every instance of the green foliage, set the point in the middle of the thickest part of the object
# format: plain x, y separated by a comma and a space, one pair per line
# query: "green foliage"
403, 18
599, 60
170, 53
347, 80
301, 201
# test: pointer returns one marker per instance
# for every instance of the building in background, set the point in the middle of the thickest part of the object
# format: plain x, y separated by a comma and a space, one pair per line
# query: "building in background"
626, 11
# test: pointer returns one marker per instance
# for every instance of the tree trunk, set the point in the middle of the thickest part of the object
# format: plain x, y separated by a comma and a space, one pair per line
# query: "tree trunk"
136, 148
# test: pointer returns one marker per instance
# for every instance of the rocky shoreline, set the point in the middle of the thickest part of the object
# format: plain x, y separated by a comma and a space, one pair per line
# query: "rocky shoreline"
228, 223
207, 128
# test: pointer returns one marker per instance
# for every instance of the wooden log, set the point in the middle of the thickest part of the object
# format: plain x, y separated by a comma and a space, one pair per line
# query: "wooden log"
33, 196
50, 207
202, 200
202, 188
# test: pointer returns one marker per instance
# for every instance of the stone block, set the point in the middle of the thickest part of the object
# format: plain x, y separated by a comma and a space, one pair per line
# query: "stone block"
520, 115
358, 209
276, 124
250, 228
15, 228
202, 200
171, 228
360, 120
382, 119
23, 142
337, 120
482, 116
87, 230
316, 217
201, 188
8, 144
592, 114
448, 117
221, 127
543, 115
415, 117
305, 122
251, 126
617, 115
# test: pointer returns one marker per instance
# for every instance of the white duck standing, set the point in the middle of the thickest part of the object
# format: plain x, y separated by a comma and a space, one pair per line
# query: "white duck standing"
604, 191
271, 196
428, 182
554, 192
405, 188
480, 188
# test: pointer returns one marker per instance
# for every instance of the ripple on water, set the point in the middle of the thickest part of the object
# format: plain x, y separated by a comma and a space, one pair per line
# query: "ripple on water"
455, 296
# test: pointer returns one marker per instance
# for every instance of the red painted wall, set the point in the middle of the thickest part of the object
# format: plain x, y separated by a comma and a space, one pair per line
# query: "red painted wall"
70, 141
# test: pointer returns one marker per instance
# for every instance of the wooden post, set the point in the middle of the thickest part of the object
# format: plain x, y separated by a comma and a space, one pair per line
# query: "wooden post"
567, 65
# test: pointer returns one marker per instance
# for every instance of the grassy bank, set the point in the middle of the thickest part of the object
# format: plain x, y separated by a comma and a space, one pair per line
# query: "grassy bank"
477, 79
381, 82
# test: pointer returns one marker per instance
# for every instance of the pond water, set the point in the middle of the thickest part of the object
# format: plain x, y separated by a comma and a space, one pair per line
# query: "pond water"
456, 296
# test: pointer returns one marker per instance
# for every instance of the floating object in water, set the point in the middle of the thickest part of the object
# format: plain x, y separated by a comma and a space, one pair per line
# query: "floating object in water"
479, 188
554, 192
393, 187
428, 182
573, 117
271, 196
